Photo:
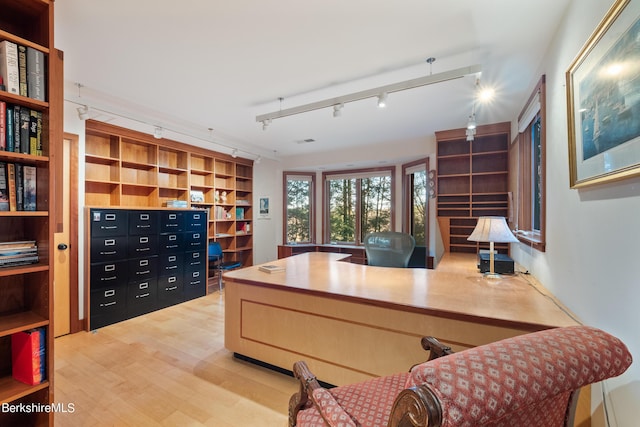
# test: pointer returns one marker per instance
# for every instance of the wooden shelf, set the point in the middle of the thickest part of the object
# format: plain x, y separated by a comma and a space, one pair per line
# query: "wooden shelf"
26, 291
472, 181
133, 169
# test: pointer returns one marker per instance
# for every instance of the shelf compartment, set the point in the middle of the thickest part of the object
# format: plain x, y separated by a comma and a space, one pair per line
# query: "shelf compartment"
489, 183
28, 21
201, 164
491, 162
224, 168
102, 169
454, 185
101, 193
244, 171
453, 166
453, 147
488, 143
135, 152
138, 195
171, 179
202, 180
101, 145
138, 174
166, 194
23, 321
172, 159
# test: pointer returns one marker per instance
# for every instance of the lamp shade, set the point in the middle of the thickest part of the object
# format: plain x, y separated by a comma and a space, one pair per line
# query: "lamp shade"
492, 229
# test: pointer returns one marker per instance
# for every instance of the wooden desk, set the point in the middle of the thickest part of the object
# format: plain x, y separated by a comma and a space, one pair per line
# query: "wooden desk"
352, 322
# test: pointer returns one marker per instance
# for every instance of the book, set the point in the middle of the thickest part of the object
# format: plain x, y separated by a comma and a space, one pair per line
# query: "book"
19, 187
25, 123
28, 356
271, 268
22, 70
3, 126
36, 82
9, 66
35, 144
29, 186
9, 133
4, 190
11, 183
16, 128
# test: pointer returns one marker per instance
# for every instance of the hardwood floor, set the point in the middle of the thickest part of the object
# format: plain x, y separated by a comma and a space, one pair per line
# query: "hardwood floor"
167, 368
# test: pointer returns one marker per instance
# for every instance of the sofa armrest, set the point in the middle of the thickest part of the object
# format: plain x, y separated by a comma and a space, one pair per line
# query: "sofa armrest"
416, 407
436, 348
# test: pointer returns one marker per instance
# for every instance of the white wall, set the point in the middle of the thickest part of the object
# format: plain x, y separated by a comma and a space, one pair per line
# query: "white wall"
593, 235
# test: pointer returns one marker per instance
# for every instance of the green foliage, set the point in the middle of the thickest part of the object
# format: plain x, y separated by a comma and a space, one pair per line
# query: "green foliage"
298, 211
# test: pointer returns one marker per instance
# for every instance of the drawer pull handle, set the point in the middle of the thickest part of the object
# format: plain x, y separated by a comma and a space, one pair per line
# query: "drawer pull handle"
144, 262
196, 274
196, 216
110, 293
110, 267
144, 217
172, 288
109, 242
110, 217
173, 237
196, 235
172, 279
196, 255
173, 258
173, 216
144, 285
144, 240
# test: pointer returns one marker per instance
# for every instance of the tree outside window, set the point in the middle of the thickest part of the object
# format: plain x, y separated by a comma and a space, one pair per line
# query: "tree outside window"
299, 208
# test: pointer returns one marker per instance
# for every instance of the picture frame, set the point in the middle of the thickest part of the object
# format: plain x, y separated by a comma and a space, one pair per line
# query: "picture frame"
264, 207
603, 101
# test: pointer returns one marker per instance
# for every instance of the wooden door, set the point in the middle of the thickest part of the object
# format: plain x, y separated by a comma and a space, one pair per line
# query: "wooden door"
65, 283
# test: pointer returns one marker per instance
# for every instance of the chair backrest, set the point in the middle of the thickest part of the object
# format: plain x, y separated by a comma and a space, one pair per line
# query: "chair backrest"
389, 248
215, 251
528, 380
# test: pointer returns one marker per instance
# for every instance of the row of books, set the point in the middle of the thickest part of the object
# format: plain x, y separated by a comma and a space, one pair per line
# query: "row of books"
18, 253
28, 352
22, 70
20, 129
221, 213
17, 187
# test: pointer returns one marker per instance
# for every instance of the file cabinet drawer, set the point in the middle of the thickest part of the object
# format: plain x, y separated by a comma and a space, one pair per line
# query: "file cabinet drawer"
140, 246
143, 223
109, 274
143, 268
171, 222
170, 288
108, 248
196, 221
170, 264
108, 223
195, 240
171, 242
195, 260
108, 301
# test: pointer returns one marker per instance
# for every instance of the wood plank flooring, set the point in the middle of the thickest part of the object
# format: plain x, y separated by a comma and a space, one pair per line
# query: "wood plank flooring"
167, 368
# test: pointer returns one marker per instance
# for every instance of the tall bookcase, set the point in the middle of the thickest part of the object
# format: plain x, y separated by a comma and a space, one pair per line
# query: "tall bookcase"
26, 291
126, 168
472, 182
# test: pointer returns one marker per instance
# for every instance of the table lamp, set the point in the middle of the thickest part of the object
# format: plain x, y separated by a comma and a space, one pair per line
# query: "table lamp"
492, 229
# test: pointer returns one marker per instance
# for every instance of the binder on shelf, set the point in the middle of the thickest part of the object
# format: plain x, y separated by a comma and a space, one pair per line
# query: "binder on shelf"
9, 66
28, 351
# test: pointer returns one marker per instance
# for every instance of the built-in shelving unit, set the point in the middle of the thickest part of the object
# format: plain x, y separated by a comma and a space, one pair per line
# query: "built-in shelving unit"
472, 182
126, 168
26, 290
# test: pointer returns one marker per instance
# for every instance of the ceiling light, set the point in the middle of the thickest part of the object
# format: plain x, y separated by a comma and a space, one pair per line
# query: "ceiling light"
486, 94
471, 134
234, 153
382, 100
157, 132
265, 124
471, 124
372, 93
83, 112
258, 159
337, 110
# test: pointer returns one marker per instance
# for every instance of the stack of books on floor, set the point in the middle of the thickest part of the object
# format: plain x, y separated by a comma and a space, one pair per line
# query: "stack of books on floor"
18, 253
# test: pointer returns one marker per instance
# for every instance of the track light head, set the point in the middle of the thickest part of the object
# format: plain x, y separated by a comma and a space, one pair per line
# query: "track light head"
83, 112
471, 124
382, 100
471, 134
234, 153
157, 132
258, 159
265, 124
337, 110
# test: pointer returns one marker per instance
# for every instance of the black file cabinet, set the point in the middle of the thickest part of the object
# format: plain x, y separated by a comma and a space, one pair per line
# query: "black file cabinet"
144, 260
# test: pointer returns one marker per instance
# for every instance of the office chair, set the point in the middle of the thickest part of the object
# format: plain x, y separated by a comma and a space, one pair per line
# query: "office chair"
389, 248
216, 260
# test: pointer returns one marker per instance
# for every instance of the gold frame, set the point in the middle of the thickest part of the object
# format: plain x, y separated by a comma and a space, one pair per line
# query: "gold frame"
592, 48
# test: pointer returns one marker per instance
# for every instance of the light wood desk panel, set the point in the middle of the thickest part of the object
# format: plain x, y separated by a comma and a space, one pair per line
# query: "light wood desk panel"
352, 322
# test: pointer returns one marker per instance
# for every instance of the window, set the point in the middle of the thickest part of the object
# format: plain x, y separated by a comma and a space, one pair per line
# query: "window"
299, 215
416, 202
531, 170
357, 203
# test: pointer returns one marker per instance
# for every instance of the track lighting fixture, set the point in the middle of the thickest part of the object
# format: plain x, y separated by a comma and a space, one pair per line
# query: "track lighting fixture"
157, 132
83, 112
471, 134
337, 110
234, 153
258, 159
377, 92
382, 100
471, 123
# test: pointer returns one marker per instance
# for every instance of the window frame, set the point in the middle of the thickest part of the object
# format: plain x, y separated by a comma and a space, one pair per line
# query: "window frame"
312, 204
525, 231
358, 174
407, 196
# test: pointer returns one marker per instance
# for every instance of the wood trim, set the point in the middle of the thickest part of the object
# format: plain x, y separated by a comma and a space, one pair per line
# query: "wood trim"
76, 324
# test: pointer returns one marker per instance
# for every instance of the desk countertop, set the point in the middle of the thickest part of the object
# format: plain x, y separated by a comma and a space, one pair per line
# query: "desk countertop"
455, 289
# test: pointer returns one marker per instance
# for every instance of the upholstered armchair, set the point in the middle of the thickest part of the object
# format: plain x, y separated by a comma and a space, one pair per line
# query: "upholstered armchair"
528, 380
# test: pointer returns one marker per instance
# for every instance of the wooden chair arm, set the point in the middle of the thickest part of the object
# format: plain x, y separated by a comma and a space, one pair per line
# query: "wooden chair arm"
416, 407
436, 348
308, 383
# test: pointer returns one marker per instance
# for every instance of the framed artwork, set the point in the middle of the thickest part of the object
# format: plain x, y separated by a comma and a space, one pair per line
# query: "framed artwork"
264, 207
603, 100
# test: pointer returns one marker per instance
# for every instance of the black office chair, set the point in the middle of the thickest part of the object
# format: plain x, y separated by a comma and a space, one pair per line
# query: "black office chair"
216, 261
389, 248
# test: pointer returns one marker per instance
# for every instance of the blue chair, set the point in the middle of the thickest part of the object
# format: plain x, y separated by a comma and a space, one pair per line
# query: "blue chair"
389, 248
216, 261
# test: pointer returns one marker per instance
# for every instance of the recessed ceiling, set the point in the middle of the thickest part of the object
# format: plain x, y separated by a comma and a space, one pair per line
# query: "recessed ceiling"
199, 65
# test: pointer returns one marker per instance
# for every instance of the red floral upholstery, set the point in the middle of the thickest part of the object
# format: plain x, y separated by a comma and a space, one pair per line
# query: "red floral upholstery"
368, 402
522, 381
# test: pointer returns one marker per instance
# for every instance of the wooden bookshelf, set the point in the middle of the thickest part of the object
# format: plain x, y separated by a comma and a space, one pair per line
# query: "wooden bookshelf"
472, 182
26, 290
131, 169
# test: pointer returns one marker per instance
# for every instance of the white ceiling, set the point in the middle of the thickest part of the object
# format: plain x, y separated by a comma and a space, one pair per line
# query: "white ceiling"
191, 65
